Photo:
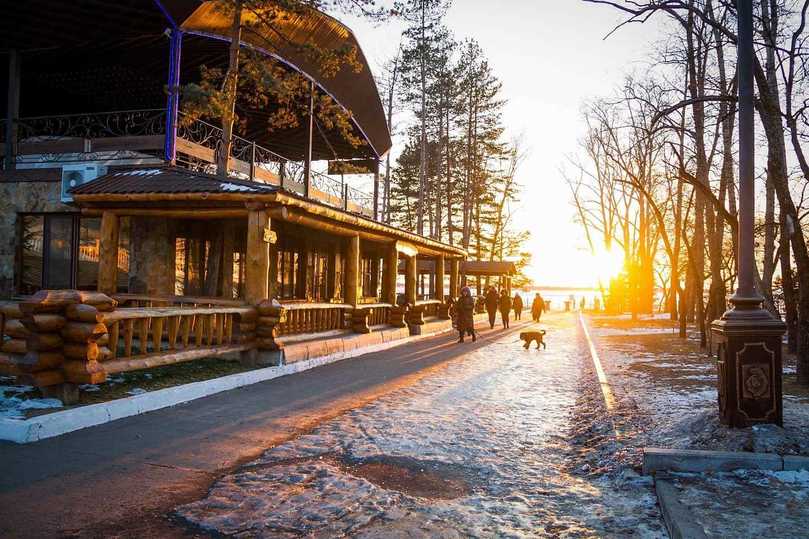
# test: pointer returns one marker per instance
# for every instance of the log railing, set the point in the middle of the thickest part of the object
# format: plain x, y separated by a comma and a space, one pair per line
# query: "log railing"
141, 338
143, 300
313, 317
379, 313
429, 307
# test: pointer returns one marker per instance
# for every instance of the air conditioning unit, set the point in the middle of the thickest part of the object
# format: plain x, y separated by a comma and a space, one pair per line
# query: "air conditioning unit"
76, 175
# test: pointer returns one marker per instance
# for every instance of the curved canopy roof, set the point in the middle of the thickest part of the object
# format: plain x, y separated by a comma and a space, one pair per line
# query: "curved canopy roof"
102, 55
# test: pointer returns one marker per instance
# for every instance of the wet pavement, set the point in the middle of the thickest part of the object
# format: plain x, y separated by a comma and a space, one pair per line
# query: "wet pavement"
501, 442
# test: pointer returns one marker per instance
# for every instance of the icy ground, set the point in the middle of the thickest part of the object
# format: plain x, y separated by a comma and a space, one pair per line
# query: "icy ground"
666, 391
498, 443
15, 400
735, 504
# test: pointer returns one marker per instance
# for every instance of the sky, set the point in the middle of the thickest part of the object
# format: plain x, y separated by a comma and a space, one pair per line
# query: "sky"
552, 57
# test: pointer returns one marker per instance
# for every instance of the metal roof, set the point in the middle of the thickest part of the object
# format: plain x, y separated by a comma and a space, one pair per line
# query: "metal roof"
103, 55
167, 180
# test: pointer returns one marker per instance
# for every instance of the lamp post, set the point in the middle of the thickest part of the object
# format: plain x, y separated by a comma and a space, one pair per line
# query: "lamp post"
748, 338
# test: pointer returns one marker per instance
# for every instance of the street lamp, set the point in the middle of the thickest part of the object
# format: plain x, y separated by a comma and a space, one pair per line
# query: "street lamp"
748, 337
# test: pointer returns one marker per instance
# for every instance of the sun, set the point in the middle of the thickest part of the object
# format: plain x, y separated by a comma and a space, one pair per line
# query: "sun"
607, 264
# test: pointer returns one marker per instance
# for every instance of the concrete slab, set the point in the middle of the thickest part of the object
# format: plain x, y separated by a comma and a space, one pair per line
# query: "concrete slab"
680, 523
691, 460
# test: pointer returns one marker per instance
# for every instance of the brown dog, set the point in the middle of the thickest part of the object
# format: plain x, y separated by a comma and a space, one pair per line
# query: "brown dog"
531, 336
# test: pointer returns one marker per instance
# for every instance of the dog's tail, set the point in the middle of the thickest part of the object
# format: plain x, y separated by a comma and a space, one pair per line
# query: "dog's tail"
542, 331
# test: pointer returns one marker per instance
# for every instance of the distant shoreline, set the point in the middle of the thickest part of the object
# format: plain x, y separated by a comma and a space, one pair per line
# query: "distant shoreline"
570, 288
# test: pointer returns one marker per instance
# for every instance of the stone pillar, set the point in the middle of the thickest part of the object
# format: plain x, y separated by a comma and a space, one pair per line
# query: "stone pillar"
152, 257
352, 292
257, 268
411, 276
108, 254
439, 277
390, 274
454, 267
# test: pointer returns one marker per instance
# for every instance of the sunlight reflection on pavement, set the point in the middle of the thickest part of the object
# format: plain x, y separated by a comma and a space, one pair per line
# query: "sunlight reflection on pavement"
480, 448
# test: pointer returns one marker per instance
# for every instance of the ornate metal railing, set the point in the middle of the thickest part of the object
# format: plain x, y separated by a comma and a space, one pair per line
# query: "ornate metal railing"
78, 137
122, 123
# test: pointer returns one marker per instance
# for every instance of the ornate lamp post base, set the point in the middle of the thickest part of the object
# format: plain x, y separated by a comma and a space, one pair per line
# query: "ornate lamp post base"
748, 361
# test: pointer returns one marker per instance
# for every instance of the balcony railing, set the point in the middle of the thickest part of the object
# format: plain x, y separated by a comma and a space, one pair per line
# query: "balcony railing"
140, 135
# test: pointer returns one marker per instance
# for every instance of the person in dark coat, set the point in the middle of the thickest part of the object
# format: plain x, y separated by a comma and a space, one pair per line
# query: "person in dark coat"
505, 307
465, 314
492, 303
537, 307
516, 303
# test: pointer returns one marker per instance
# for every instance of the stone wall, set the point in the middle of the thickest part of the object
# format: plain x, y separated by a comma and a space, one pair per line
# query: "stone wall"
152, 258
22, 197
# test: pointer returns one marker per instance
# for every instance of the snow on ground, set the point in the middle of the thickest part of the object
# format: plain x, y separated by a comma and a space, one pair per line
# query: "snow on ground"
15, 400
735, 504
666, 390
502, 442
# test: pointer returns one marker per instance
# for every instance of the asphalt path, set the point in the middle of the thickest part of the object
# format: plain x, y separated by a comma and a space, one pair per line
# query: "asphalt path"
122, 478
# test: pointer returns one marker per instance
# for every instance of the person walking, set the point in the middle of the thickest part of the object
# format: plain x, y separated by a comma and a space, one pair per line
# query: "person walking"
516, 303
505, 307
492, 303
537, 307
465, 313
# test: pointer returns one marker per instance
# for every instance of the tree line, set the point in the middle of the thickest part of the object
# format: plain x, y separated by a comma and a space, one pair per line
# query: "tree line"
656, 173
455, 176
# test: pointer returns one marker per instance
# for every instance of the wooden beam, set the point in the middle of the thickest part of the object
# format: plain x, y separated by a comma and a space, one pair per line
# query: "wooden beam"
454, 266
108, 254
439, 277
199, 213
411, 276
390, 273
257, 263
228, 246
407, 249
352, 288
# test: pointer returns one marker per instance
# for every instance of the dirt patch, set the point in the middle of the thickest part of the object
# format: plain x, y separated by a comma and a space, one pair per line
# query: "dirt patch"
424, 479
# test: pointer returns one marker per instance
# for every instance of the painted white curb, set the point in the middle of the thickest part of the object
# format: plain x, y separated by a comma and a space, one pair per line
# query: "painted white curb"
58, 423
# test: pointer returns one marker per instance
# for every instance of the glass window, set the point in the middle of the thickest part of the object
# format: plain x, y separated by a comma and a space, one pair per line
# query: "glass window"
60, 251
89, 249
32, 237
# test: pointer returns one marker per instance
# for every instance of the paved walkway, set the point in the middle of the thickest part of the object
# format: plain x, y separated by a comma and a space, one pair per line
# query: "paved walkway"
123, 477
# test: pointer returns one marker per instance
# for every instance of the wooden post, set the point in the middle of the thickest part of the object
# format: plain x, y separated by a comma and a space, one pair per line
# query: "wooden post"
173, 103
376, 191
108, 254
454, 266
307, 164
390, 274
352, 294
12, 108
258, 255
439, 277
411, 276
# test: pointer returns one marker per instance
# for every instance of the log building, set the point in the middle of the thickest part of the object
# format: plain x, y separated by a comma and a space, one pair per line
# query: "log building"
109, 201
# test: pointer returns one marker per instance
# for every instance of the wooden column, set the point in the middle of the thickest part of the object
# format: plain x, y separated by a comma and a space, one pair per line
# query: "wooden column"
454, 266
12, 108
257, 266
439, 278
352, 293
411, 276
307, 164
108, 255
390, 274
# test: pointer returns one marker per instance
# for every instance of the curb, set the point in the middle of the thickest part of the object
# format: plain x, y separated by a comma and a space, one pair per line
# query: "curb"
678, 519
58, 423
657, 460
